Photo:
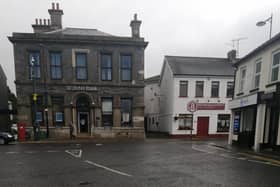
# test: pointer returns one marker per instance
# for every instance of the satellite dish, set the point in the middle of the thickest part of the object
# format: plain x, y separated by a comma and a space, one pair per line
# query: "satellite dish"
261, 23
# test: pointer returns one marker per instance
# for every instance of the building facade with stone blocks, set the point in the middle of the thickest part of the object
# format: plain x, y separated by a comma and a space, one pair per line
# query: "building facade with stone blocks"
83, 77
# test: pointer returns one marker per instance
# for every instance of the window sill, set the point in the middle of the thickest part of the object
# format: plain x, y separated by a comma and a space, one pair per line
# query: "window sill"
254, 90
272, 84
239, 94
183, 96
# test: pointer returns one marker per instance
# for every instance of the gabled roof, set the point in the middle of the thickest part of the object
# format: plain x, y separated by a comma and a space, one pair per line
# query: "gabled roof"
78, 31
153, 79
259, 48
202, 66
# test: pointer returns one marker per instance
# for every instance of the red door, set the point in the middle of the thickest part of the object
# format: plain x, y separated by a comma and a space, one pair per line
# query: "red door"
202, 126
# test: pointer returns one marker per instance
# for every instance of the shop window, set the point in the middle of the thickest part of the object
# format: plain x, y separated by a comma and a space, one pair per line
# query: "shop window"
126, 112
242, 79
230, 89
215, 89
185, 121
199, 87
107, 112
34, 65
223, 123
126, 67
275, 67
257, 74
81, 66
56, 69
106, 67
183, 88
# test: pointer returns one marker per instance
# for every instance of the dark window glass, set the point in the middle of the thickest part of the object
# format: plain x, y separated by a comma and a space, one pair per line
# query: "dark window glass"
39, 115
126, 111
230, 89
56, 70
107, 111
183, 88
215, 89
258, 74
199, 88
275, 67
34, 65
223, 123
106, 67
126, 67
185, 121
81, 66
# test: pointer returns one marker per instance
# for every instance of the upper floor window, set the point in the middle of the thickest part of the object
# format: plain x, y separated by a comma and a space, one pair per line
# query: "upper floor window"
183, 88
199, 87
230, 89
275, 67
257, 74
81, 66
242, 79
126, 67
56, 70
215, 89
106, 67
34, 65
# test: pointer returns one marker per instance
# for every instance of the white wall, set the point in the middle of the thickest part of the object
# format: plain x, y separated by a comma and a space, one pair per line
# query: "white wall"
180, 103
166, 99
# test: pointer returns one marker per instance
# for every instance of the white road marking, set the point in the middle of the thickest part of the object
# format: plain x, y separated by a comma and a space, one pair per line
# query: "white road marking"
12, 152
75, 152
30, 152
227, 156
241, 158
108, 169
201, 150
98, 144
52, 151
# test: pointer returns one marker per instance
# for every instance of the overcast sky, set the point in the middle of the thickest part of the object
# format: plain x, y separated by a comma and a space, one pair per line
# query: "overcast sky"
172, 27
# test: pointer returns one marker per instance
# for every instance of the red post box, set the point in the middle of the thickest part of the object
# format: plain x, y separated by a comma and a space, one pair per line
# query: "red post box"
21, 131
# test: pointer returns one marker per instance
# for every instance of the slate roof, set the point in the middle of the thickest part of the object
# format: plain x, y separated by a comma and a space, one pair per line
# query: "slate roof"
206, 66
153, 79
78, 31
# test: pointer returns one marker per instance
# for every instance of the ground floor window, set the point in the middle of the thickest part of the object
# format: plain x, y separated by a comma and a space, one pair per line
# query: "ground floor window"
58, 110
126, 111
223, 122
185, 121
38, 115
107, 112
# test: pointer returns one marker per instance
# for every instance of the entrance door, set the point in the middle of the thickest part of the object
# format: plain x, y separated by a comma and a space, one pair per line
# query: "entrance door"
83, 121
273, 127
202, 126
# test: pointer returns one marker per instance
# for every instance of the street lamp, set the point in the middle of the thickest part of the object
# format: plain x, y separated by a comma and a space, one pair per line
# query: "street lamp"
262, 23
34, 96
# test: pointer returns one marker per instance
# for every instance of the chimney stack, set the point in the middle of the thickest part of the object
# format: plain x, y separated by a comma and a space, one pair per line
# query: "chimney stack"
135, 27
56, 16
231, 55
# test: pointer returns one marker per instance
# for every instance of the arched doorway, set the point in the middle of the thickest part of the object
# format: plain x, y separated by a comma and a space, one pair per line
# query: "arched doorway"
83, 114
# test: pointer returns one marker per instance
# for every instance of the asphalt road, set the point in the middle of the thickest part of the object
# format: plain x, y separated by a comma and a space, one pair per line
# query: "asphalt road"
133, 163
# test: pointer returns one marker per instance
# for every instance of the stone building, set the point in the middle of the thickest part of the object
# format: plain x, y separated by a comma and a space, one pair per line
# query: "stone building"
4, 112
86, 77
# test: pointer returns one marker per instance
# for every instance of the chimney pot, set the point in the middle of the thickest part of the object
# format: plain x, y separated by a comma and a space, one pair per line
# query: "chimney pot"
40, 21
45, 22
53, 7
57, 6
36, 21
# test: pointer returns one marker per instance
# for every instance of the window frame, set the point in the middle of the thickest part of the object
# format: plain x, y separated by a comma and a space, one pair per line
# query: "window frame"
125, 68
183, 82
257, 74
31, 77
106, 68
274, 66
82, 67
56, 66
227, 122
130, 124
242, 79
218, 89
228, 89
196, 88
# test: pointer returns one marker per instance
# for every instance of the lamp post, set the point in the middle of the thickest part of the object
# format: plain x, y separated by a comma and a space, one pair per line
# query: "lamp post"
34, 97
262, 23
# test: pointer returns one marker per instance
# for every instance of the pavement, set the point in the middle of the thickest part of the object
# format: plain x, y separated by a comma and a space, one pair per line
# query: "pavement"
149, 162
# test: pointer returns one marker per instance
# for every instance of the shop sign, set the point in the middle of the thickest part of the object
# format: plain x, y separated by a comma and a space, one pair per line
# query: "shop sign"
81, 88
192, 106
236, 123
243, 102
210, 106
